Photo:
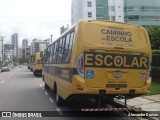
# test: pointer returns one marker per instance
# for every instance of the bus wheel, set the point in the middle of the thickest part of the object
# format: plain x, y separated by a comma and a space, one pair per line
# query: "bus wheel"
46, 86
59, 100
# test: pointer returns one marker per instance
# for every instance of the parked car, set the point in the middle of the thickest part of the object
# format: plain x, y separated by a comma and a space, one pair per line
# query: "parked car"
5, 67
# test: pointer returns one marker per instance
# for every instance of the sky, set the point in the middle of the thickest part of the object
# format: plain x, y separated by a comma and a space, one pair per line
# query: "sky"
33, 18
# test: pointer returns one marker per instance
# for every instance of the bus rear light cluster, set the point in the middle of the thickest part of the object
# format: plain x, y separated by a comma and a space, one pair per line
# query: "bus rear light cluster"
148, 75
80, 65
148, 70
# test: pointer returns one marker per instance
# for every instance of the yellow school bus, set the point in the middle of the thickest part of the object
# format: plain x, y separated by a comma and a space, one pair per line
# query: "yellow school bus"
37, 64
100, 60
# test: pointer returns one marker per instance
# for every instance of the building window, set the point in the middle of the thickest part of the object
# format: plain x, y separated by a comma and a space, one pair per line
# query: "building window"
112, 8
89, 4
150, 8
89, 14
150, 18
98, 16
132, 8
132, 18
98, 5
113, 18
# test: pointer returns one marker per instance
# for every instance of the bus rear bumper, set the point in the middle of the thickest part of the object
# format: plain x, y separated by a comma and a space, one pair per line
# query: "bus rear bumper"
38, 72
132, 90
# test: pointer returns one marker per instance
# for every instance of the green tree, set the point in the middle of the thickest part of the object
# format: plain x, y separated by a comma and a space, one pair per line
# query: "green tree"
15, 60
22, 60
154, 35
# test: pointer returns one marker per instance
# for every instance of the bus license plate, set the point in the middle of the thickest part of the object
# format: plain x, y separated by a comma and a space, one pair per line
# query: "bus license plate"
117, 74
116, 85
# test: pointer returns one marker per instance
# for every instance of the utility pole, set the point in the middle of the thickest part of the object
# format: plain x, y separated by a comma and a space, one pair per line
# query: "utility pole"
2, 49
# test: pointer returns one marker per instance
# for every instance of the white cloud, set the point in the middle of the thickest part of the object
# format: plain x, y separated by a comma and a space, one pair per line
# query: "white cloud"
33, 18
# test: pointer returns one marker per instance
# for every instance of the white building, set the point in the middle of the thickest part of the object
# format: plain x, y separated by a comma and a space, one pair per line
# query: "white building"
97, 9
38, 46
24, 43
116, 10
83, 9
8, 51
14, 41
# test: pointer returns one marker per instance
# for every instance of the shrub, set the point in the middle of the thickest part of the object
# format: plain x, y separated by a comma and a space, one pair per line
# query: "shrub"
155, 72
155, 52
156, 60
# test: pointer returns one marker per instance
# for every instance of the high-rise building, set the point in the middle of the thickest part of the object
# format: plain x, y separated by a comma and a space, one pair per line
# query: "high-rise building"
14, 41
20, 50
83, 9
24, 43
97, 9
8, 51
24, 46
38, 45
110, 10
27, 52
140, 12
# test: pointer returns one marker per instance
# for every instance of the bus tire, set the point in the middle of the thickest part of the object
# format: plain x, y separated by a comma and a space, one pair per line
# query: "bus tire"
46, 86
59, 100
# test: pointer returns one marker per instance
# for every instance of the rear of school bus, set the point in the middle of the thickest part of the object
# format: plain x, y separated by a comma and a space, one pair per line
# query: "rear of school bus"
111, 58
37, 65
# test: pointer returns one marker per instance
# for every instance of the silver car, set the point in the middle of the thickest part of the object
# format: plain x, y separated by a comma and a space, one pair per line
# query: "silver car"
5, 68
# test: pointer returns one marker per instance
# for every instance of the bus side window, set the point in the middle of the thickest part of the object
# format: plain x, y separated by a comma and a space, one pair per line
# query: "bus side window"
59, 54
50, 55
66, 47
54, 53
70, 47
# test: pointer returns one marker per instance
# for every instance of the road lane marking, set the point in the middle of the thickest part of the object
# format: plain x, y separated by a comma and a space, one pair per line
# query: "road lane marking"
46, 93
59, 111
51, 100
2, 82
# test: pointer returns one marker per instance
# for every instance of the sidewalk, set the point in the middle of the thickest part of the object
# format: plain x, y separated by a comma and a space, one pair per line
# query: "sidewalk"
147, 103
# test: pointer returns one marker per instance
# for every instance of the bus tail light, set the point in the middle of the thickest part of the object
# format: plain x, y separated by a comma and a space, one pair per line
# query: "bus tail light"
148, 70
148, 75
80, 65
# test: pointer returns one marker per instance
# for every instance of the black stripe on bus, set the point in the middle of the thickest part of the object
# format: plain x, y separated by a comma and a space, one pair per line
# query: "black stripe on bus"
58, 72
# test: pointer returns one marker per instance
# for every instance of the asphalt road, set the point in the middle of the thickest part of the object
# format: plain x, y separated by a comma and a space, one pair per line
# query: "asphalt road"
21, 91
